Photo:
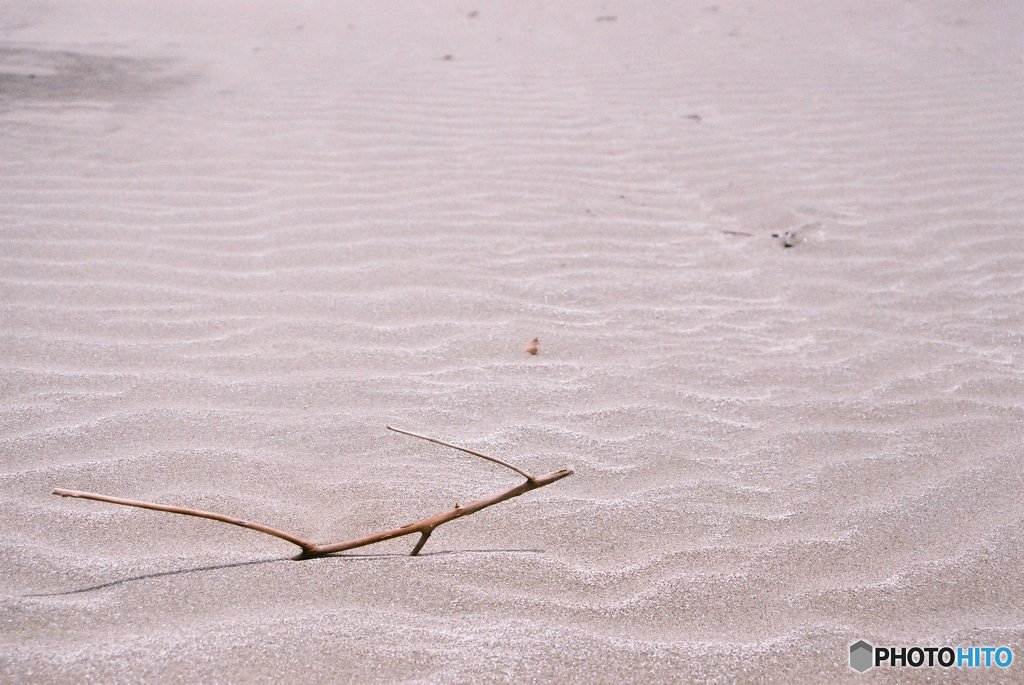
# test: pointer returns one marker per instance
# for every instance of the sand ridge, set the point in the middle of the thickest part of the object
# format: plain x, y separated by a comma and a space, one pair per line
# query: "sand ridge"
238, 239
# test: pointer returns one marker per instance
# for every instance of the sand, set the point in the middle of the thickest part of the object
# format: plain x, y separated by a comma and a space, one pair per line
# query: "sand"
238, 238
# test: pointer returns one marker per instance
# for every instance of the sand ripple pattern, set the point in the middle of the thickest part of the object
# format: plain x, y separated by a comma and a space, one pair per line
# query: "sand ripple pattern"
228, 259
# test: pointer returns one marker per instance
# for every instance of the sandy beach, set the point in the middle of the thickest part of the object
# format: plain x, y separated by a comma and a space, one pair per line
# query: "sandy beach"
238, 239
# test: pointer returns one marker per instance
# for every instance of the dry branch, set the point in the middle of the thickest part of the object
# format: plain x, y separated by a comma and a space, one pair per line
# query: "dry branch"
311, 550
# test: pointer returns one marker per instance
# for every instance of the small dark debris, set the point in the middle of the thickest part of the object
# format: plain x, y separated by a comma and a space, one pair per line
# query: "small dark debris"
607, 17
447, 58
695, 117
474, 14
788, 238
797, 235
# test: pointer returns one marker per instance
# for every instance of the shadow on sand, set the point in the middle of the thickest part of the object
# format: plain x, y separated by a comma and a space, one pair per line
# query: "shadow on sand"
217, 567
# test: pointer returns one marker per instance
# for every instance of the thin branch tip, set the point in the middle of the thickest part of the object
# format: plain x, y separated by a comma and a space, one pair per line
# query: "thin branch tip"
528, 476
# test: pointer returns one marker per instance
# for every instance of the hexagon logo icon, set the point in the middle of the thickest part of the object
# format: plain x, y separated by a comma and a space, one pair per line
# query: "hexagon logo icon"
861, 656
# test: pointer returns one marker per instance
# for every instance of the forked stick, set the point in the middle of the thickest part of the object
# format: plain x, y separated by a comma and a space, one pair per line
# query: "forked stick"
311, 550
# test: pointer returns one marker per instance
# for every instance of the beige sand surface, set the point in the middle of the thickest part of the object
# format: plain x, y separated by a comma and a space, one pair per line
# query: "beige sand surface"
237, 239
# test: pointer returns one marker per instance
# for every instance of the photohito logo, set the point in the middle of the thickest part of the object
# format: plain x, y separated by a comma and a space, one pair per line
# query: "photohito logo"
863, 656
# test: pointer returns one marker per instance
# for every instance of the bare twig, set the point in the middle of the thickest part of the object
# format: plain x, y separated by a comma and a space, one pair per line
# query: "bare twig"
522, 473
304, 544
312, 550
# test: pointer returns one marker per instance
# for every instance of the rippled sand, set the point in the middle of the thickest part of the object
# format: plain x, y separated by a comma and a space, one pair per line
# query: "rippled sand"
236, 240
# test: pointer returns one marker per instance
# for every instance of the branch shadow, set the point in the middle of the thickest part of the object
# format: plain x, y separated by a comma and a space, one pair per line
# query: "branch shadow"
445, 552
159, 574
218, 567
